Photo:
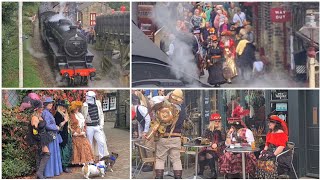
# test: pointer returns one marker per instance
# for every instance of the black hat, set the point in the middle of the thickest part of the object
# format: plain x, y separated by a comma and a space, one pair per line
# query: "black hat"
63, 103
36, 104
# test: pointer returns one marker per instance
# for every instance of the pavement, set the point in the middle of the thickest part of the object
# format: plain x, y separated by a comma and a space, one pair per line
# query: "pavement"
118, 141
276, 79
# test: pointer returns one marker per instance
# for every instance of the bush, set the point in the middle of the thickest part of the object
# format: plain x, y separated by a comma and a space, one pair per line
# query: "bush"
18, 159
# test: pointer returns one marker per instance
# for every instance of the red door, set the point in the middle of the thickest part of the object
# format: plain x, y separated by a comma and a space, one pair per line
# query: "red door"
93, 19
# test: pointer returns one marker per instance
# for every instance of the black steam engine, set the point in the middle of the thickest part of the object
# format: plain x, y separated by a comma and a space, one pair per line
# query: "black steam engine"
68, 48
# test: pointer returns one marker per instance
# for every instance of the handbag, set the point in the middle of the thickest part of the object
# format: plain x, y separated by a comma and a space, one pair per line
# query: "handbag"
52, 134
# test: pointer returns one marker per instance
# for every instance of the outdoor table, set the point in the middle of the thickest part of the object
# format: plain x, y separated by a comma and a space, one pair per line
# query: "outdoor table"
197, 152
242, 150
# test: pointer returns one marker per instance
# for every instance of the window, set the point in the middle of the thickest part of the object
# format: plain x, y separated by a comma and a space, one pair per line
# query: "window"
93, 19
109, 102
105, 104
113, 103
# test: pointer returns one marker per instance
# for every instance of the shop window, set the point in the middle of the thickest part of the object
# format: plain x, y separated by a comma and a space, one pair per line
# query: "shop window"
109, 103
113, 103
105, 104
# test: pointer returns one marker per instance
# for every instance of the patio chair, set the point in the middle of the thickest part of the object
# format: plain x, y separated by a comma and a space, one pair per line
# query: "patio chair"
142, 150
186, 155
291, 146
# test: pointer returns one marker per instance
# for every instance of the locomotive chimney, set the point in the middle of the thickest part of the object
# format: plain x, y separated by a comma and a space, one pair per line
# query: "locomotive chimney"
73, 28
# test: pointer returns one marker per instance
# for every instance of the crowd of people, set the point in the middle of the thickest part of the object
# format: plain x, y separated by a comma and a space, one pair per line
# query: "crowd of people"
64, 133
159, 118
90, 34
223, 40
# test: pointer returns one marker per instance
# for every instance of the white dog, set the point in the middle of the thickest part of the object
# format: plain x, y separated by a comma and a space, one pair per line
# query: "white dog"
94, 169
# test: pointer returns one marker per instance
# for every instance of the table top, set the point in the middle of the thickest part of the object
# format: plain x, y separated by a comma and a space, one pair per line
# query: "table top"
196, 145
242, 149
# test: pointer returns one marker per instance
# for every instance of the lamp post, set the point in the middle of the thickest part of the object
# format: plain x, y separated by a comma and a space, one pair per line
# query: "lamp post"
312, 63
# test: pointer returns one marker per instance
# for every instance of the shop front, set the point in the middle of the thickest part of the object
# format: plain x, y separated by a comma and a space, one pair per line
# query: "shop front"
299, 108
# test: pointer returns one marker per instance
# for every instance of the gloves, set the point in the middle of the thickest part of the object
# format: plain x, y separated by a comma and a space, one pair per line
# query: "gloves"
270, 155
267, 155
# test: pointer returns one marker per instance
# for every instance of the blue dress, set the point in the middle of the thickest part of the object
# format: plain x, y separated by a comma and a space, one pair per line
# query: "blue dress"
54, 165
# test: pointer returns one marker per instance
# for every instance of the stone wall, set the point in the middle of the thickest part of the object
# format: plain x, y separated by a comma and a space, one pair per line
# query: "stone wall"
98, 8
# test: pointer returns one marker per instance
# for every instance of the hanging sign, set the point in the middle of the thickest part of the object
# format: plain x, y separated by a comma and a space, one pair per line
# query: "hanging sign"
280, 15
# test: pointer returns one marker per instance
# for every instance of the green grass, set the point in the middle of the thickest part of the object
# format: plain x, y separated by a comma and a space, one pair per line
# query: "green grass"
31, 76
10, 46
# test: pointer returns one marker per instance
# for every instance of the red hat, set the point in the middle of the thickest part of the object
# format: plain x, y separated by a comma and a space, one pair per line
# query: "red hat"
237, 114
277, 119
215, 117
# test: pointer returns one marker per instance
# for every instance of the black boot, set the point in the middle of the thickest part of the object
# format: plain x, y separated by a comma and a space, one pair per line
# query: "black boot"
159, 173
214, 174
38, 158
44, 159
177, 174
202, 164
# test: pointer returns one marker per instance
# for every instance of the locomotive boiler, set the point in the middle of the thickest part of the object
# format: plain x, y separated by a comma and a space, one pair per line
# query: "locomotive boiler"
68, 47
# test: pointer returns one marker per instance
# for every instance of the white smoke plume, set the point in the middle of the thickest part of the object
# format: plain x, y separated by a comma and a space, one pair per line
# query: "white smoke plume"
34, 53
183, 61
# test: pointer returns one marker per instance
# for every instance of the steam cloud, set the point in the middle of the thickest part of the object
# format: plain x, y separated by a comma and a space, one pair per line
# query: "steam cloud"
183, 61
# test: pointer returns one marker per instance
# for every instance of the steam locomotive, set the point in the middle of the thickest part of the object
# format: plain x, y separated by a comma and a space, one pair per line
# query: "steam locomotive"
68, 47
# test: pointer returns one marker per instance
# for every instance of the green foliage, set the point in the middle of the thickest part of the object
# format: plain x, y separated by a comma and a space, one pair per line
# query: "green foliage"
116, 5
10, 45
18, 159
29, 9
9, 12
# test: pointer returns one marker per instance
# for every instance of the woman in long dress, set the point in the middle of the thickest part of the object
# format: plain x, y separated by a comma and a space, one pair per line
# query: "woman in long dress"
82, 151
54, 165
214, 63
276, 143
230, 164
62, 120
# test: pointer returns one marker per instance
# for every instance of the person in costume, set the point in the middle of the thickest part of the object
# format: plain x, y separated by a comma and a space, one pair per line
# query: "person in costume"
230, 164
214, 63
37, 135
62, 120
229, 66
245, 55
216, 134
92, 112
54, 165
276, 143
167, 131
82, 151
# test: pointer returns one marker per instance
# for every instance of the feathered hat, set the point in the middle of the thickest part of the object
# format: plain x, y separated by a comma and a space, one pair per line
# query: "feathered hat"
237, 114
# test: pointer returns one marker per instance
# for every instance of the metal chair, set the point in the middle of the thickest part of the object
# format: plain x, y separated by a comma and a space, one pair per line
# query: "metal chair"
143, 157
291, 146
186, 155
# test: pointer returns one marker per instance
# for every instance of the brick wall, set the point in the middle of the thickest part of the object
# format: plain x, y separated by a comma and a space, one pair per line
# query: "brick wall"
271, 36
